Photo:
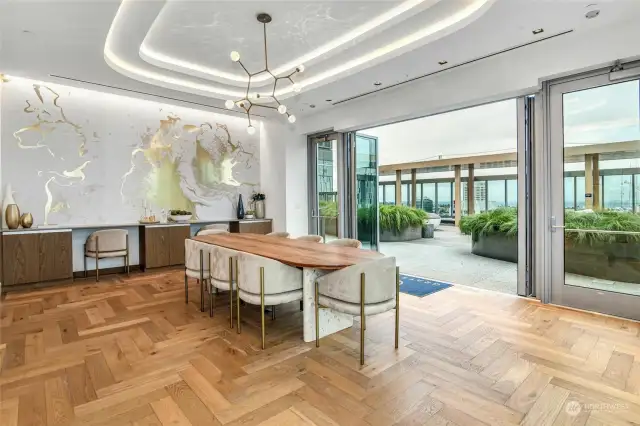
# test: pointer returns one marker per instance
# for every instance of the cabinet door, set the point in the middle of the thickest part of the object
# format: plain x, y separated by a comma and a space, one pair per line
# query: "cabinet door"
20, 258
177, 235
156, 246
55, 256
261, 227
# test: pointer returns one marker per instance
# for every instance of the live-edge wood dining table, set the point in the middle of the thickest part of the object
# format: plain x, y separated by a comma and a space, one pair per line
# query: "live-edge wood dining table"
315, 259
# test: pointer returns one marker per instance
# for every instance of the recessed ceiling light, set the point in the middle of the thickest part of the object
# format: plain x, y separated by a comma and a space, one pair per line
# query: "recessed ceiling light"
592, 14
377, 83
538, 31
329, 100
443, 62
312, 106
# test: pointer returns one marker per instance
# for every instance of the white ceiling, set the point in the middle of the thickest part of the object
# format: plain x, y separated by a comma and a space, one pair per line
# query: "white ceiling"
190, 41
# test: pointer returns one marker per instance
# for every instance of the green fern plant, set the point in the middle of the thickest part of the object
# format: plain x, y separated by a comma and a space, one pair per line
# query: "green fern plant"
504, 221
399, 218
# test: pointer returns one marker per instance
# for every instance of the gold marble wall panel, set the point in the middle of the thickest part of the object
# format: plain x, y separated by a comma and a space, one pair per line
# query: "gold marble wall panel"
78, 156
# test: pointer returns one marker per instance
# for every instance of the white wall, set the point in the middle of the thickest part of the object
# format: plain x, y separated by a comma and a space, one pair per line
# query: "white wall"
297, 207
273, 140
284, 176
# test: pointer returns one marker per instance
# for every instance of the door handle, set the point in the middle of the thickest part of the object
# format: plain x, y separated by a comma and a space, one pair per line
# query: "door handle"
553, 225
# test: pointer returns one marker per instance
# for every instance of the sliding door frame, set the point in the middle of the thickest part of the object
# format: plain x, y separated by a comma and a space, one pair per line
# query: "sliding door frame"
312, 173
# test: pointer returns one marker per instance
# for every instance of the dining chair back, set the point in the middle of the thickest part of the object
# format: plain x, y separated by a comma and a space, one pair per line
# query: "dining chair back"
345, 242
312, 238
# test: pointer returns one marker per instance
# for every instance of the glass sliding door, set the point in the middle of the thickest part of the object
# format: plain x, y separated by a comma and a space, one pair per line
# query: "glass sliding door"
594, 143
362, 171
326, 195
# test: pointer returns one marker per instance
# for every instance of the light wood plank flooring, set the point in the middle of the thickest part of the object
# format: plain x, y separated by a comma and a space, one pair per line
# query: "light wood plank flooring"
131, 352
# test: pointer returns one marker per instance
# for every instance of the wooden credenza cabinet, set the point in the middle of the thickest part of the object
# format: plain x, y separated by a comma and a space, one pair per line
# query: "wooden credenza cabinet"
257, 226
162, 245
36, 256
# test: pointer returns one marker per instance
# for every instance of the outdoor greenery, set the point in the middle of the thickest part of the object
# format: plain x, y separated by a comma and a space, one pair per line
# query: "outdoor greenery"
505, 221
502, 220
328, 208
398, 218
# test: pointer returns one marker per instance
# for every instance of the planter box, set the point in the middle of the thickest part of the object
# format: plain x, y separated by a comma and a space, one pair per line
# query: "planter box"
496, 246
409, 234
618, 261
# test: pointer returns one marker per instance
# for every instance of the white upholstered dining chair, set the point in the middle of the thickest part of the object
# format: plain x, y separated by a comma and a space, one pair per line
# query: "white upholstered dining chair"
222, 267
211, 232
220, 226
363, 289
196, 267
345, 242
105, 244
312, 238
278, 234
263, 282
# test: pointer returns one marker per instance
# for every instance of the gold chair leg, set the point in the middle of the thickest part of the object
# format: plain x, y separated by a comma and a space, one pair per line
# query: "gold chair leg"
317, 317
186, 286
230, 292
238, 295
273, 312
97, 259
211, 298
362, 319
201, 281
262, 304
126, 258
397, 304
85, 260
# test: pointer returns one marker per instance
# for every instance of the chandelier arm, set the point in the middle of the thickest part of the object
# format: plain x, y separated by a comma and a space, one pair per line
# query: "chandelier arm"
244, 68
266, 106
248, 87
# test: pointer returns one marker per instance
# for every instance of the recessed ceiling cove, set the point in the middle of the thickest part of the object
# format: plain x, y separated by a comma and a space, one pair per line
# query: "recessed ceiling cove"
185, 45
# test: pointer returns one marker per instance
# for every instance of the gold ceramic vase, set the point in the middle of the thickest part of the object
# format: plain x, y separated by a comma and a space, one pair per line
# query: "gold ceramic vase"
26, 220
12, 216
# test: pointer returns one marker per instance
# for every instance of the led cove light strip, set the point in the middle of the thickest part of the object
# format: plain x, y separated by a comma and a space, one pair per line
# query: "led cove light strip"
136, 72
146, 51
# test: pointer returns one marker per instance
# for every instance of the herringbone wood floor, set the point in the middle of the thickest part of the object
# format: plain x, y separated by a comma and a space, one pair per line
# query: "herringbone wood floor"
130, 352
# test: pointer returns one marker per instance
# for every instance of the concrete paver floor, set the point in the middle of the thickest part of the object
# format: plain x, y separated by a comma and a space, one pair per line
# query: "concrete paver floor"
447, 257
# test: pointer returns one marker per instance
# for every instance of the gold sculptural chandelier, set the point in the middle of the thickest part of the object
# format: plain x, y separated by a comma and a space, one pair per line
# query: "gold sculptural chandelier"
250, 99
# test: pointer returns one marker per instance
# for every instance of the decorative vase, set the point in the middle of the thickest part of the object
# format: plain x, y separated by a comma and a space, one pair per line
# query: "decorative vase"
8, 199
26, 220
12, 216
240, 210
259, 209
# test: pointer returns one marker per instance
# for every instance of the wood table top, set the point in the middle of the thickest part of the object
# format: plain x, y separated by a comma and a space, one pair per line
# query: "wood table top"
298, 253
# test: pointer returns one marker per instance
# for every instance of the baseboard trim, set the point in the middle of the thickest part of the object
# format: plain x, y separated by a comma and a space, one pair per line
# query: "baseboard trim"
107, 271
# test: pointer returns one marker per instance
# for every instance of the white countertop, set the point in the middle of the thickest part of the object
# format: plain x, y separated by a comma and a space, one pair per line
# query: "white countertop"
60, 228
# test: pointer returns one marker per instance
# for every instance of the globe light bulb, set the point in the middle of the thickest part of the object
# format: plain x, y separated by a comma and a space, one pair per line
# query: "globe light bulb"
292, 118
300, 68
229, 104
282, 109
235, 56
251, 130
296, 87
